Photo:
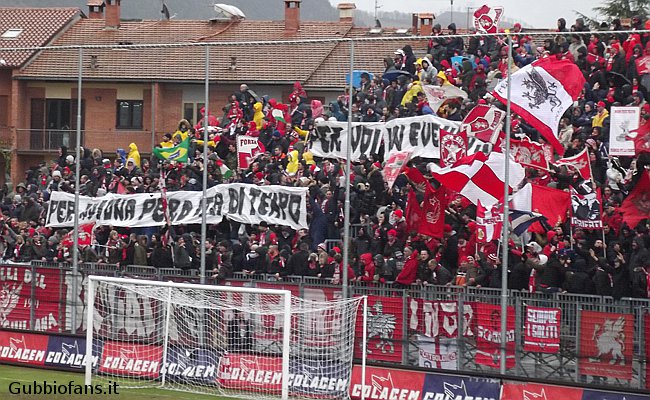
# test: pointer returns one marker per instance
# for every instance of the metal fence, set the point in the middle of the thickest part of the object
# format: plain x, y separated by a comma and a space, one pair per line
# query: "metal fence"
49, 286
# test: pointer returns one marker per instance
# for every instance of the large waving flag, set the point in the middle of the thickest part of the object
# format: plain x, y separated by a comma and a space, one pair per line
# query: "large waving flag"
580, 162
479, 177
541, 92
177, 153
520, 221
636, 207
551, 203
484, 123
641, 138
527, 153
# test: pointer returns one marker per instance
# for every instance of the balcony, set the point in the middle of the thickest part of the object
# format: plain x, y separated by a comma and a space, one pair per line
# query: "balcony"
39, 140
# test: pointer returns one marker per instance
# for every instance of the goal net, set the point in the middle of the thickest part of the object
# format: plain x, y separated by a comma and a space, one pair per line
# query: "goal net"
222, 340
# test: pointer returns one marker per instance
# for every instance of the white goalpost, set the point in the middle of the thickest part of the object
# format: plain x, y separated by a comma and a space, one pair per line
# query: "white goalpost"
239, 342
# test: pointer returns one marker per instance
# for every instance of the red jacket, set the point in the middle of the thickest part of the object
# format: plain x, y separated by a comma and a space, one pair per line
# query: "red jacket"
369, 268
410, 271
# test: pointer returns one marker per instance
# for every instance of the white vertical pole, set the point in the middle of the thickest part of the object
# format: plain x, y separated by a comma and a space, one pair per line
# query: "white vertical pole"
90, 310
206, 123
286, 345
75, 232
346, 206
364, 345
166, 337
506, 225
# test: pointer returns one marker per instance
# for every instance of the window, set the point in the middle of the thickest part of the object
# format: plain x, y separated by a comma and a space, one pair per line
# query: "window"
12, 33
192, 112
129, 114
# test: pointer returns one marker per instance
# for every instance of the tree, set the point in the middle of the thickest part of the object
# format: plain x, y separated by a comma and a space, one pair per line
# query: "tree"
623, 8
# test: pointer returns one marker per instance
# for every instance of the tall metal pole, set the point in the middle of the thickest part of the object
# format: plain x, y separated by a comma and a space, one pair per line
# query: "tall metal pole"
348, 155
75, 233
206, 123
153, 115
506, 225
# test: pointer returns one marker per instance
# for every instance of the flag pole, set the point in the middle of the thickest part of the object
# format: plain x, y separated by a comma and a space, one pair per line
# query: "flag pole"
348, 155
506, 221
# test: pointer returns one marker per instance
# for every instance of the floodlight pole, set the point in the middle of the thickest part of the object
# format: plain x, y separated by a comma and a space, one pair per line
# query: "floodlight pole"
506, 223
348, 155
75, 233
206, 123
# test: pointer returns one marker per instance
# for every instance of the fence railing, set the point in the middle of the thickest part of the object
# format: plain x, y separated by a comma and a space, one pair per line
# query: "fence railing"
442, 322
46, 139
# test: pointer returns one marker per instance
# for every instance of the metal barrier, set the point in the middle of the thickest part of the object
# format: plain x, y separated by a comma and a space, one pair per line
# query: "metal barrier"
423, 309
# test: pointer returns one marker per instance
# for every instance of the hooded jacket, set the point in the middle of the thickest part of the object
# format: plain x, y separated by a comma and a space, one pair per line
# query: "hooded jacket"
134, 154
368, 273
258, 115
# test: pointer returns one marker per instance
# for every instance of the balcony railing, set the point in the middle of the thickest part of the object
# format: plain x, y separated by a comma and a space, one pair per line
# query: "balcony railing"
46, 139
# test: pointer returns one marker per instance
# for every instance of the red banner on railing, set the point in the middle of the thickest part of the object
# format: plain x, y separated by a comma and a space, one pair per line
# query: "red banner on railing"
542, 331
488, 335
16, 298
606, 346
385, 327
439, 318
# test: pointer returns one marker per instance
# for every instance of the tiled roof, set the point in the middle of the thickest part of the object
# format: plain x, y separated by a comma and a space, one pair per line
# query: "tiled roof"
368, 56
39, 26
277, 63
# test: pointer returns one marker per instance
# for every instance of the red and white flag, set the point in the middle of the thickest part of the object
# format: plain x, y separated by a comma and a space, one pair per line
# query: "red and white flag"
528, 153
248, 147
580, 162
453, 147
551, 203
541, 92
394, 166
484, 123
486, 19
489, 222
479, 177
86, 235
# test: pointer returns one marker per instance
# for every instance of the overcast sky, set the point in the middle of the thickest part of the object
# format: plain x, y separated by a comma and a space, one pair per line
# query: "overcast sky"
536, 13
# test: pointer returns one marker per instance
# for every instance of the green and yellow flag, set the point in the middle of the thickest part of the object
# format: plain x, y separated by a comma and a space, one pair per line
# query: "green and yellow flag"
177, 153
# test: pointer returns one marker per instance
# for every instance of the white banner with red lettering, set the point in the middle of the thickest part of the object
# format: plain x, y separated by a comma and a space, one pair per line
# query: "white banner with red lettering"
248, 147
439, 318
542, 330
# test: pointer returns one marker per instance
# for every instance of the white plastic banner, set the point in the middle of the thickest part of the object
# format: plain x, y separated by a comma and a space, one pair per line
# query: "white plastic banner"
419, 135
622, 120
248, 204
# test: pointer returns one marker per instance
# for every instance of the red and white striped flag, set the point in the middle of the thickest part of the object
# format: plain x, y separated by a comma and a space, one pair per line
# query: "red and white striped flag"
541, 92
489, 222
479, 177
579, 162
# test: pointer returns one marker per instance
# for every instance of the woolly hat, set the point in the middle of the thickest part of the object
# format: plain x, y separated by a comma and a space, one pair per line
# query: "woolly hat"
391, 232
448, 228
467, 260
322, 246
56, 173
69, 159
493, 257
601, 104
398, 213
550, 235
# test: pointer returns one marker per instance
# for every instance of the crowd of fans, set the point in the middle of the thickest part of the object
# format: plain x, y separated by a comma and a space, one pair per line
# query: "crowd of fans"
614, 261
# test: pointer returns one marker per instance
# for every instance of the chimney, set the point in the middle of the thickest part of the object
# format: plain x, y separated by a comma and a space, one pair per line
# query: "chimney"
112, 15
291, 16
414, 23
426, 23
95, 9
346, 12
